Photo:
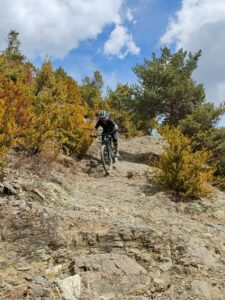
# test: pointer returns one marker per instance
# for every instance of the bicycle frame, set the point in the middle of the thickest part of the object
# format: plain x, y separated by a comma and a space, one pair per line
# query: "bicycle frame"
107, 153
106, 139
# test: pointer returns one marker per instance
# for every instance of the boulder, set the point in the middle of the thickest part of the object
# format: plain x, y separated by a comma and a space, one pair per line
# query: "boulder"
108, 263
8, 189
106, 274
36, 290
38, 193
201, 289
70, 287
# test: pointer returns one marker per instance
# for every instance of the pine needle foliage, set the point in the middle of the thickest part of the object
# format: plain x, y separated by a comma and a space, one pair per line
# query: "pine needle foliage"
182, 170
40, 108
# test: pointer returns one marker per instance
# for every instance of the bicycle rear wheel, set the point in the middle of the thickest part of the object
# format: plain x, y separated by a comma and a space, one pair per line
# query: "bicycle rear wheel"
106, 157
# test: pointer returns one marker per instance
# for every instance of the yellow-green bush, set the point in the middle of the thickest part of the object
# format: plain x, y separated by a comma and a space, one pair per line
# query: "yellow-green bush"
38, 110
182, 170
8, 126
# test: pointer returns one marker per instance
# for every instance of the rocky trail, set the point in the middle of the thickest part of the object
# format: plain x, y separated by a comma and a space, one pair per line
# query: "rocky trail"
74, 233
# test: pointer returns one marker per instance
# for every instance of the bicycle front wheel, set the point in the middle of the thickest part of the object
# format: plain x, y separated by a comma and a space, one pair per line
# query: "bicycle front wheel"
106, 157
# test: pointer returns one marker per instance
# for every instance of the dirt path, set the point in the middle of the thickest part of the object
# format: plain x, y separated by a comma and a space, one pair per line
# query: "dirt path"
181, 242
125, 238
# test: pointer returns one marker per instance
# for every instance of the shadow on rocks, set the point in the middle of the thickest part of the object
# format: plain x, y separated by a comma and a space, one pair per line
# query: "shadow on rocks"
150, 189
94, 167
32, 233
139, 158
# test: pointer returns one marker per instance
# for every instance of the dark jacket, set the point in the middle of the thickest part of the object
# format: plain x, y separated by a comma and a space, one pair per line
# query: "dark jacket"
108, 125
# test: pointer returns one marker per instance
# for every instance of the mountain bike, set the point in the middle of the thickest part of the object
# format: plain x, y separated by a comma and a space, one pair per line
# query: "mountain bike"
108, 152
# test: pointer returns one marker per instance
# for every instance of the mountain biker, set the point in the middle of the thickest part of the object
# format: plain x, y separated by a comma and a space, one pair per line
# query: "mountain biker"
109, 126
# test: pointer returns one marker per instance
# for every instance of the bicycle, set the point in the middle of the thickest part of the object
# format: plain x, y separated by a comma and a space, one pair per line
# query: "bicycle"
108, 154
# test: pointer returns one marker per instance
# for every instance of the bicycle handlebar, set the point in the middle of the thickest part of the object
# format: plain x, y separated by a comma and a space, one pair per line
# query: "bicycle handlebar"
102, 134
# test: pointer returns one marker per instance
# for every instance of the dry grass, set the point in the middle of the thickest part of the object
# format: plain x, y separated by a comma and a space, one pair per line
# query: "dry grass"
43, 164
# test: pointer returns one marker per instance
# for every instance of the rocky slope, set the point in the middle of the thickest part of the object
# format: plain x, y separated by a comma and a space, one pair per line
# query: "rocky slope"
70, 232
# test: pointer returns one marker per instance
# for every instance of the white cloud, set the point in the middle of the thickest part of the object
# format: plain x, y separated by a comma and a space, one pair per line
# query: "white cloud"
54, 27
130, 16
120, 43
199, 24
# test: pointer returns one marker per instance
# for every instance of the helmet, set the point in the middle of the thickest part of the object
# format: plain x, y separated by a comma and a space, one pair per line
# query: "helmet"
102, 114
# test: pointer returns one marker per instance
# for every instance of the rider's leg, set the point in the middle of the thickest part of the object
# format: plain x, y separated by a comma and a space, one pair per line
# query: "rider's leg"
115, 142
103, 132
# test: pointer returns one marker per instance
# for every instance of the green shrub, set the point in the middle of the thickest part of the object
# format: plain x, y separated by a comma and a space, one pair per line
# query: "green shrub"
181, 169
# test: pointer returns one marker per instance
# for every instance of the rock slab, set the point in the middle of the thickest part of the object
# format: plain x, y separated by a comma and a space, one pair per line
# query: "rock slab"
70, 287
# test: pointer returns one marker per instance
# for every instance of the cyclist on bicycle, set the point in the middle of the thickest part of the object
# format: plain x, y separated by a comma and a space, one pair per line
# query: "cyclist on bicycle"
109, 126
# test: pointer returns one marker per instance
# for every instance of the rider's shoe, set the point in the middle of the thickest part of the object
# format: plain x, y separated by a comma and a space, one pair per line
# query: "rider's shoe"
117, 154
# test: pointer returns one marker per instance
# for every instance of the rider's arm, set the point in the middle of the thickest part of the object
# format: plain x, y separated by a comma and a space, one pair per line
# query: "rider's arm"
97, 125
112, 124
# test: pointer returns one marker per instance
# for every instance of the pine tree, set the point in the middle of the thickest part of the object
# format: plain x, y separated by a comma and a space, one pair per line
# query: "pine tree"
91, 90
122, 108
166, 88
13, 49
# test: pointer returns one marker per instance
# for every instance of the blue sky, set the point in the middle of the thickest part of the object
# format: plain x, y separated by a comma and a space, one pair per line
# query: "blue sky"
151, 20
112, 36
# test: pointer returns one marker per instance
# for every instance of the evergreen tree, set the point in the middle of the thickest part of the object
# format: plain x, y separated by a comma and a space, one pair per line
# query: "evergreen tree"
60, 74
91, 90
214, 140
98, 81
166, 88
13, 48
122, 108
202, 119
201, 126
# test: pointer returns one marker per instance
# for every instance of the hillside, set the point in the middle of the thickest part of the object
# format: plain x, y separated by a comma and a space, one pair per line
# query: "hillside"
126, 239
